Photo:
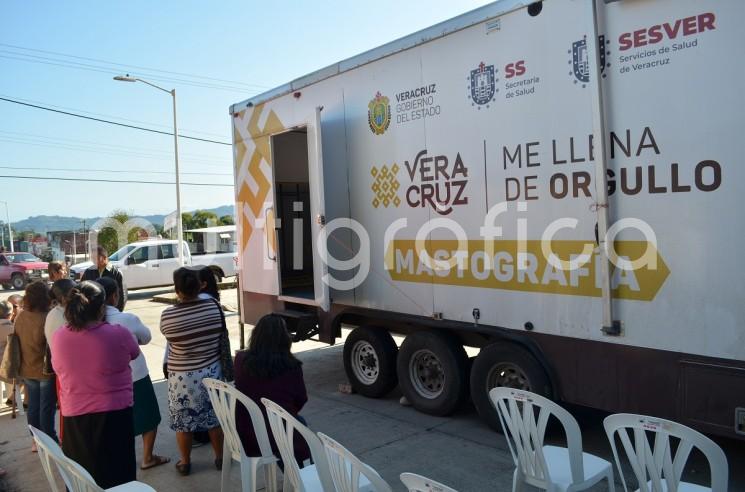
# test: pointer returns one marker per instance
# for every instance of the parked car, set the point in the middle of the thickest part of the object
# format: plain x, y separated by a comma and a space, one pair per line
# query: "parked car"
18, 269
151, 263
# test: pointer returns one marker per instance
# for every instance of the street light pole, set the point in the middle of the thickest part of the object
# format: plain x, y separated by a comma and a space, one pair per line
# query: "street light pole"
179, 222
10, 231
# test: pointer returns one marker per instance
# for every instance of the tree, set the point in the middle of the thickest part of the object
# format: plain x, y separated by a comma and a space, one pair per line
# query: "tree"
108, 236
199, 219
227, 220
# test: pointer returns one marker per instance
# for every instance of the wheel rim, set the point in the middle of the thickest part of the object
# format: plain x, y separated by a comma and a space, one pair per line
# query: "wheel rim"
18, 282
365, 363
508, 375
426, 374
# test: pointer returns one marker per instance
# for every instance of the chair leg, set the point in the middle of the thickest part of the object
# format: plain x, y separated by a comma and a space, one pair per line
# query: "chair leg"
611, 482
270, 476
248, 475
518, 485
227, 463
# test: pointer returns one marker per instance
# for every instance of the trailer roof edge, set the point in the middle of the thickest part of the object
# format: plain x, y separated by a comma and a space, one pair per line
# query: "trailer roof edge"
463, 21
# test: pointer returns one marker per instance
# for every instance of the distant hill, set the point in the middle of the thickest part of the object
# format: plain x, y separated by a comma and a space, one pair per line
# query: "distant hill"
46, 223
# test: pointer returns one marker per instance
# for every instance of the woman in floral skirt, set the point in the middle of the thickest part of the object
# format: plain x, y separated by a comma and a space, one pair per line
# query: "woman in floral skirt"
192, 328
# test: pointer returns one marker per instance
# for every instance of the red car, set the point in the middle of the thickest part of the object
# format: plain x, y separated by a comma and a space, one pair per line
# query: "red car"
18, 269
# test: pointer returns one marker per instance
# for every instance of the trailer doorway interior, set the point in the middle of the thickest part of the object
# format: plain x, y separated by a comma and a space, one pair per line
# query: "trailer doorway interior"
292, 198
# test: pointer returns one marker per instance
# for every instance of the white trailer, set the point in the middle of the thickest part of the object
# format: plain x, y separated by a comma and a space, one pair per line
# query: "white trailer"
556, 184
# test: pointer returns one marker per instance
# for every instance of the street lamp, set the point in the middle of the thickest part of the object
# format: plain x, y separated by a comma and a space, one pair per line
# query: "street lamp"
179, 224
10, 231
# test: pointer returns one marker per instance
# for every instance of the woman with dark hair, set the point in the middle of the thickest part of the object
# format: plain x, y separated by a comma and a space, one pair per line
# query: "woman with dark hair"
56, 320
145, 408
40, 387
209, 283
269, 370
192, 329
91, 359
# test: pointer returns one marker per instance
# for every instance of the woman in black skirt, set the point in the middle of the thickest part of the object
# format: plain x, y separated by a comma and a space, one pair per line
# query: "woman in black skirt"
91, 359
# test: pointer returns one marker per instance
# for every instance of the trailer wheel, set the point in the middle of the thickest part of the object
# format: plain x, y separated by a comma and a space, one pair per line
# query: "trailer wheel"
504, 365
18, 281
370, 361
433, 372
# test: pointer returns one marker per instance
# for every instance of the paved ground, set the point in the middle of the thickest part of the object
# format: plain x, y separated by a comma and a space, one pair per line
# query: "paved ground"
458, 450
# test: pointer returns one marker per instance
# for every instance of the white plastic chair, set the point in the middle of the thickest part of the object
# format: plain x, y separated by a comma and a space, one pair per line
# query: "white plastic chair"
348, 472
311, 478
418, 483
551, 468
76, 478
654, 465
224, 398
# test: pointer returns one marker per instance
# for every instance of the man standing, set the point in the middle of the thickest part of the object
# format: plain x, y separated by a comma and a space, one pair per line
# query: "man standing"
57, 270
102, 268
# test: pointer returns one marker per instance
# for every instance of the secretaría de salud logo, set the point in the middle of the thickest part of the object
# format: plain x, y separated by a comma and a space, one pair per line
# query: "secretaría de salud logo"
482, 85
580, 60
379, 114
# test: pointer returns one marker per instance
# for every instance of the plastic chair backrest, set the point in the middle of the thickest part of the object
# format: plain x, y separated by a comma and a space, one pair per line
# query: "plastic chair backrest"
76, 478
525, 433
418, 483
283, 426
654, 463
46, 447
224, 398
346, 468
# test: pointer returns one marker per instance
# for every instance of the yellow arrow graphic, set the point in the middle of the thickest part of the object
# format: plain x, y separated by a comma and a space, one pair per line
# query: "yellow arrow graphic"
496, 267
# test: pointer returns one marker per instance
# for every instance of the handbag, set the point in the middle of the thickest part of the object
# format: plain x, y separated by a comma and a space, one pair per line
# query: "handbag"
226, 355
46, 368
10, 367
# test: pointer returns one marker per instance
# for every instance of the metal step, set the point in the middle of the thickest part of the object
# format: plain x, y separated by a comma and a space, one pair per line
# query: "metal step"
302, 325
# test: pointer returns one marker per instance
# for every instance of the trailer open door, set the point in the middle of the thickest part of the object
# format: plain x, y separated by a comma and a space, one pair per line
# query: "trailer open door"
318, 214
298, 191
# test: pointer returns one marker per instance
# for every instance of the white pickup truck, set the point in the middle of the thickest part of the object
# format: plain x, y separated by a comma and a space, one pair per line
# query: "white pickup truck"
151, 263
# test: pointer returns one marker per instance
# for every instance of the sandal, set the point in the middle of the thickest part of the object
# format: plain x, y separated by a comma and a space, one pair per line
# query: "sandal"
183, 468
157, 461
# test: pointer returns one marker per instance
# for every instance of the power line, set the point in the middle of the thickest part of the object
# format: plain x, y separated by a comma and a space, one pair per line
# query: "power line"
132, 66
78, 110
88, 144
89, 180
89, 170
100, 120
9, 55
115, 152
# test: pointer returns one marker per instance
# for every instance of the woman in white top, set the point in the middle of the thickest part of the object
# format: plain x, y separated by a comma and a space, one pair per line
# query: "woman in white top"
56, 317
146, 410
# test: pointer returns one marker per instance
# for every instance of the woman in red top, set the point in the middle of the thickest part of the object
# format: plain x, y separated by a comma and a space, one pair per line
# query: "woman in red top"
269, 370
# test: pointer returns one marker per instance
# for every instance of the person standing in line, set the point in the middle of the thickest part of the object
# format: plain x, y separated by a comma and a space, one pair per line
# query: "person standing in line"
103, 268
56, 320
6, 328
40, 387
56, 270
91, 359
192, 328
145, 409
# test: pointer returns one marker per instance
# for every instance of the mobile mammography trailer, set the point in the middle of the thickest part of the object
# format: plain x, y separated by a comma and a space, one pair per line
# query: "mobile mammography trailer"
556, 184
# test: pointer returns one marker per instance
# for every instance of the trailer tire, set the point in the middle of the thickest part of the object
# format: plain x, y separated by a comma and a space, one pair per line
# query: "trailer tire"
370, 361
433, 372
511, 365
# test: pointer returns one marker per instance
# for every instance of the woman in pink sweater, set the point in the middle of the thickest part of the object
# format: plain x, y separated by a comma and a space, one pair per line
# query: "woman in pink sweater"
91, 359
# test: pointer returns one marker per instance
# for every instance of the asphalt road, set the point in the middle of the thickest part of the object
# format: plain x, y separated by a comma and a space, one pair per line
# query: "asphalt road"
459, 450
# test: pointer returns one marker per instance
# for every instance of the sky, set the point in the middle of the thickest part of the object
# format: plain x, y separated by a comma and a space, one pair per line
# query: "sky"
63, 55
